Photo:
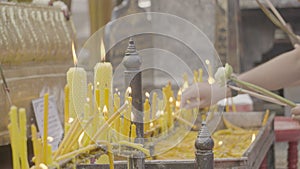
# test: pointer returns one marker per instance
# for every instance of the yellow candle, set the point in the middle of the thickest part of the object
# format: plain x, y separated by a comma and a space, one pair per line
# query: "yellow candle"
97, 96
103, 159
266, 116
161, 121
154, 105
86, 111
105, 112
126, 128
107, 100
200, 75
23, 138
133, 132
146, 115
103, 76
185, 81
227, 106
45, 134
35, 145
170, 113
13, 142
103, 135
90, 97
40, 149
49, 158
77, 82
116, 107
66, 107
196, 74
177, 103
233, 105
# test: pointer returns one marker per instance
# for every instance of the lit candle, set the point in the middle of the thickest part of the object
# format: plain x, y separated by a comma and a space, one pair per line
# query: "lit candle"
133, 132
170, 113
211, 79
23, 138
45, 134
77, 82
177, 104
127, 117
105, 112
103, 76
146, 113
185, 82
116, 107
66, 107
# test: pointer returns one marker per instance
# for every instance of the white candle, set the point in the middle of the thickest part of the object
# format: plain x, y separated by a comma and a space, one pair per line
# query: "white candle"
103, 78
77, 82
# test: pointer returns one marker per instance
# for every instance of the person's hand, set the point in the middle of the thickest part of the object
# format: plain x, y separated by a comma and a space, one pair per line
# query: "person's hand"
201, 95
296, 112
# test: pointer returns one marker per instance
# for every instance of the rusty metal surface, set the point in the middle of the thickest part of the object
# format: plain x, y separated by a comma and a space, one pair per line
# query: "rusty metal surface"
35, 54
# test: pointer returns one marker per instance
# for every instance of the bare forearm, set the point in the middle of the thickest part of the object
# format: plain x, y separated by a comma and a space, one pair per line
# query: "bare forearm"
277, 73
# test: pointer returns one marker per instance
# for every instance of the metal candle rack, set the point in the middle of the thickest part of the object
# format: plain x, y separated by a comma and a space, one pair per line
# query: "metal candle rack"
204, 143
204, 157
133, 78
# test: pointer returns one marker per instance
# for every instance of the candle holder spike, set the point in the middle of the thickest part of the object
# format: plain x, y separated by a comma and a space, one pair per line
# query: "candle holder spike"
204, 145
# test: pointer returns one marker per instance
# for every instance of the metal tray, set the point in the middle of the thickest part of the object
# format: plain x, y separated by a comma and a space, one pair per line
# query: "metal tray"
251, 159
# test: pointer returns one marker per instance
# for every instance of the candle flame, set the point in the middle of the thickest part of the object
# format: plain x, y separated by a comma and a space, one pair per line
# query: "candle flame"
70, 120
102, 51
177, 103
74, 55
104, 109
80, 138
179, 93
151, 124
253, 137
220, 143
116, 89
128, 90
50, 139
171, 99
147, 94
43, 166
88, 99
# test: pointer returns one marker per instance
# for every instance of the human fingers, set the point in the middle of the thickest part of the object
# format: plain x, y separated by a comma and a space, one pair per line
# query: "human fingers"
190, 94
296, 110
296, 117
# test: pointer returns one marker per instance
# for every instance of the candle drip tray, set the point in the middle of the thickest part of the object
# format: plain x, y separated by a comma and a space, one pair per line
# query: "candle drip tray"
245, 125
